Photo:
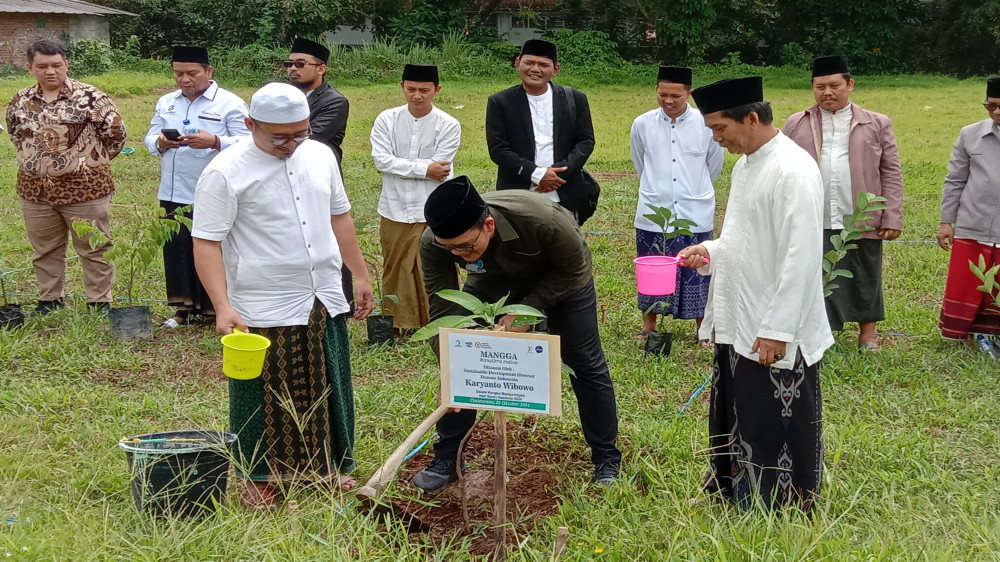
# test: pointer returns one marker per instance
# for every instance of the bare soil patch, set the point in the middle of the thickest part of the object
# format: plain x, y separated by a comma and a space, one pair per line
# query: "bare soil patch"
532, 487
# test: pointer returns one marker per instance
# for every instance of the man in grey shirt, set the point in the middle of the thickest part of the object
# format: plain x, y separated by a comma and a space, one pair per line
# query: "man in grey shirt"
970, 223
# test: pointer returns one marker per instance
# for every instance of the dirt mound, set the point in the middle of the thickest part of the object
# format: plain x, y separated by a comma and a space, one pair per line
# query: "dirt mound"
531, 488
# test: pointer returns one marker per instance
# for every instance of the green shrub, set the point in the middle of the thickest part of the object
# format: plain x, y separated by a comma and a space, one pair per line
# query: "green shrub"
11, 71
794, 55
253, 65
427, 23
88, 57
586, 49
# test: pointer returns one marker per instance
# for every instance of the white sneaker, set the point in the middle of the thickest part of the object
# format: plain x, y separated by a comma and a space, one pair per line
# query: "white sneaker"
171, 323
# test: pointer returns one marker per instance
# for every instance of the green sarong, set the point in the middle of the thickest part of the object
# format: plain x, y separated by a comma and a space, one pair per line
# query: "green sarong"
296, 421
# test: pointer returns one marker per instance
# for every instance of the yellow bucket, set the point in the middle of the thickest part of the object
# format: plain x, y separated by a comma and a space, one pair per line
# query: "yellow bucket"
243, 354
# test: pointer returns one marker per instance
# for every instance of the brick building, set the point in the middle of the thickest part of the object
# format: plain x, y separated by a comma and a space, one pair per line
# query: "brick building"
23, 22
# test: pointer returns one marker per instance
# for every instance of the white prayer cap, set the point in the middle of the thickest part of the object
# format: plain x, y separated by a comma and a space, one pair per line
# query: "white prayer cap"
279, 103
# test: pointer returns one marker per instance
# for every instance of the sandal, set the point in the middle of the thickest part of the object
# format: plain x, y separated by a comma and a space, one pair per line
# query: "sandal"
641, 335
869, 346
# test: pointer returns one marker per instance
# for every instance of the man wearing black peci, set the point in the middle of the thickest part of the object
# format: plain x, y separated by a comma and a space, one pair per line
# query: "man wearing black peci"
328, 108
540, 134
526, 245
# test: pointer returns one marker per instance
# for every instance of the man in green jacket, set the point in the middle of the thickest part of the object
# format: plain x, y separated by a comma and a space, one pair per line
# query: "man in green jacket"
524, 244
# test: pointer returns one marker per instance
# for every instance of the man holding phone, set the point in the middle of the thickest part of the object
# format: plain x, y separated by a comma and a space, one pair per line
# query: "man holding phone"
189, 128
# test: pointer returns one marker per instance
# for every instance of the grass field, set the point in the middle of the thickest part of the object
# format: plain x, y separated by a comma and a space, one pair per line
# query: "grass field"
911, 435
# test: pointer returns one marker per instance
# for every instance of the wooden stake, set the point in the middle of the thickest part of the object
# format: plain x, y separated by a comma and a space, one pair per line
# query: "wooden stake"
500, 484
562, 537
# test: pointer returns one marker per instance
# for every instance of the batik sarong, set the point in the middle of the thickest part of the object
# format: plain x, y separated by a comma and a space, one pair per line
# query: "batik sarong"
688, 301
966, 309
765, 432
402, 275
296, 421
857, 299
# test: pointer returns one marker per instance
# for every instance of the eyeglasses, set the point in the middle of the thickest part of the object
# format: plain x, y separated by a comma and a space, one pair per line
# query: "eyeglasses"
991, 107
464, 247
298, 63
283, 142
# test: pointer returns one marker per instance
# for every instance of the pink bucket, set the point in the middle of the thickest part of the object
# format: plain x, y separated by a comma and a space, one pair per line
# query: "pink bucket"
656, 275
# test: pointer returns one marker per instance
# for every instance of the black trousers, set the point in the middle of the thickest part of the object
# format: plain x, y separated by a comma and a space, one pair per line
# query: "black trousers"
574, 319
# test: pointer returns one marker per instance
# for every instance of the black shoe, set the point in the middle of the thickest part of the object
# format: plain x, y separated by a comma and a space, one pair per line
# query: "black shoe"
99, 308
606, 473
45, 307
438, 474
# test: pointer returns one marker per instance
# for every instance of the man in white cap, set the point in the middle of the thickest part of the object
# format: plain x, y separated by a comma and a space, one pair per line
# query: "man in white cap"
272, 230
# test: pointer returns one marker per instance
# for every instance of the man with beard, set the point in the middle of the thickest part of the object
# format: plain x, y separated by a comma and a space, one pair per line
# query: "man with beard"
328, 108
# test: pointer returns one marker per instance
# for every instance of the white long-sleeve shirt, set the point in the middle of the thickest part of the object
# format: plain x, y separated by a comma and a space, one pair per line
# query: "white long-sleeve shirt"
835, 167
218, 111
403, 146
766, 265
272, 216
543, 130
676, 162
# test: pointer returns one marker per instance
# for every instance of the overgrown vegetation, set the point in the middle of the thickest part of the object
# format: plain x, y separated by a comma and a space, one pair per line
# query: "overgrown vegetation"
876, 36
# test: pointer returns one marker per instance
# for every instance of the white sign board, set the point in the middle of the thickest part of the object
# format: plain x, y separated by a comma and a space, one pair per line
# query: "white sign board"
486, 370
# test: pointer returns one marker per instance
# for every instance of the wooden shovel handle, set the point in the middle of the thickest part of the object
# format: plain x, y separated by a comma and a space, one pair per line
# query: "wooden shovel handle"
387, 471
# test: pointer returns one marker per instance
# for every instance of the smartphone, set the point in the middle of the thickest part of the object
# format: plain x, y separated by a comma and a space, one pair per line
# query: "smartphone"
171, 134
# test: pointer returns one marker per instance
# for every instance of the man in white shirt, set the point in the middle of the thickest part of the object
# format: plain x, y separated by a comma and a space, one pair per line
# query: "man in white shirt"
208, 119
677, 160
413, 145
765, 309
272, 230
856, 151
540, 134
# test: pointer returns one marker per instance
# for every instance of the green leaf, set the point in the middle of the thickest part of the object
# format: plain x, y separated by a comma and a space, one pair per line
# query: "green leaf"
431, 329
832, 256
521, 310
393, 298
842, 273
463, 299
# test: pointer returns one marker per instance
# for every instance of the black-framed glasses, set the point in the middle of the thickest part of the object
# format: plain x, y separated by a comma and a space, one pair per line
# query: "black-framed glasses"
464, 247
298, 63
990, 106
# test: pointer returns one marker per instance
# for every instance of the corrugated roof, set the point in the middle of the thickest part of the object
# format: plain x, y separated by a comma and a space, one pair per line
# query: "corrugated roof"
59, 7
